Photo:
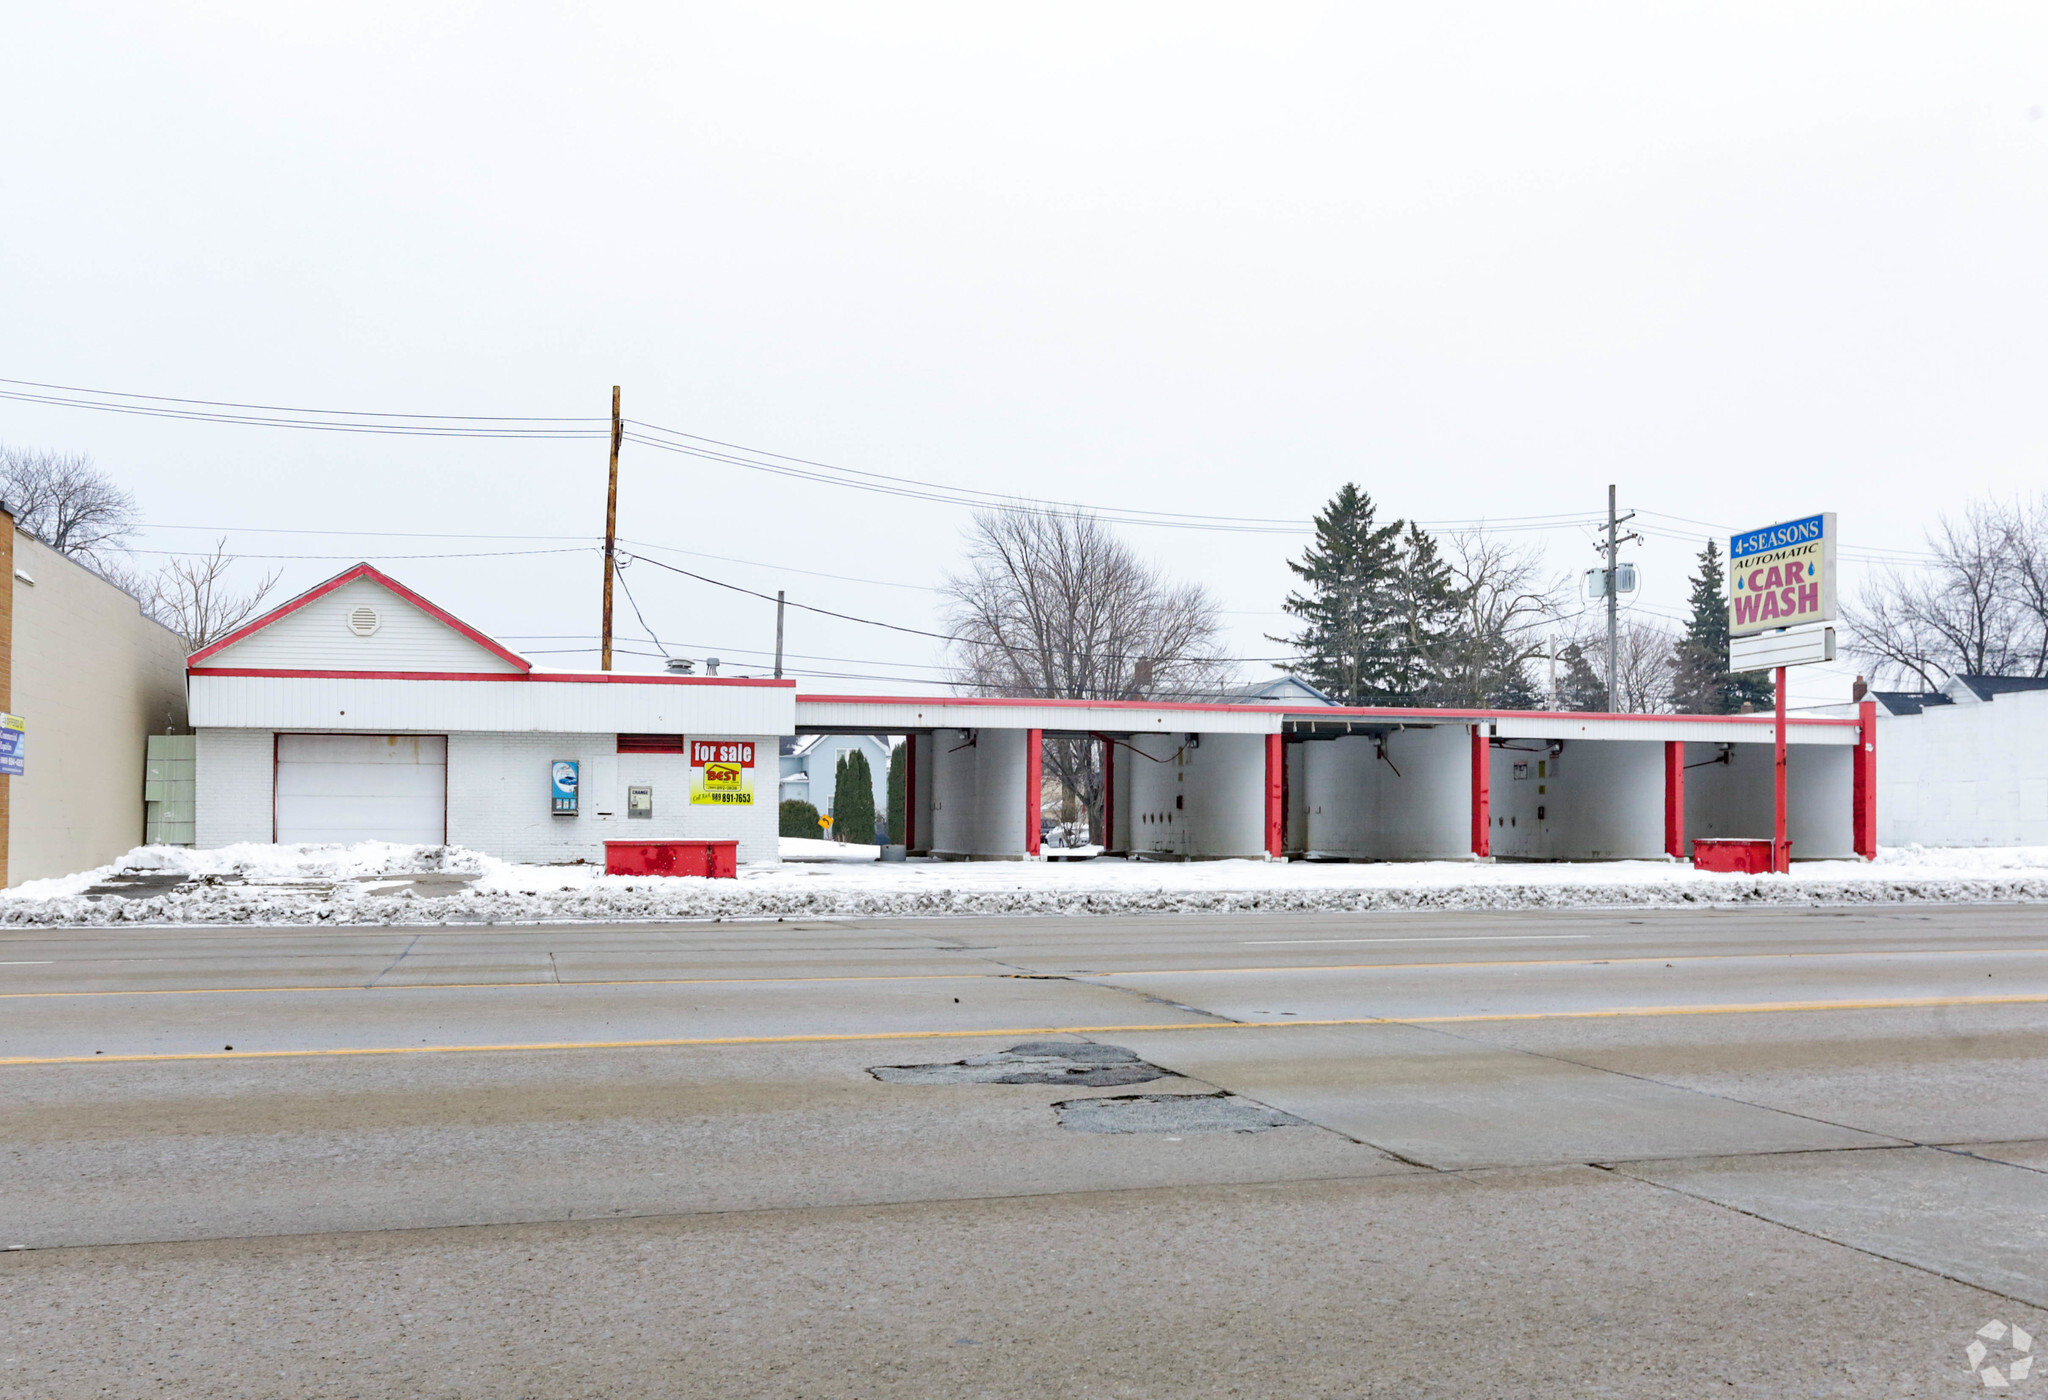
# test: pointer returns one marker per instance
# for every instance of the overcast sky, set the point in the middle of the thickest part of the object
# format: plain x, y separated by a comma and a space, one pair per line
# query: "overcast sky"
1748, 263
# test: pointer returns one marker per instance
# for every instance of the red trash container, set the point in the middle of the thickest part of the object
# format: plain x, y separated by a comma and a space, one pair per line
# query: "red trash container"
718, 860
1733, 857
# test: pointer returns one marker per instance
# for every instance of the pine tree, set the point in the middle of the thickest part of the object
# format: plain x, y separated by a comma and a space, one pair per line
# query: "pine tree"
1701, 682
899, 774
853, 800
1581, 687
1349, 639
1427, 606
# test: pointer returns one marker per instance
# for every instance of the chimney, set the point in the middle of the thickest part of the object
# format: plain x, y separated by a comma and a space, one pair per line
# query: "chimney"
1858, 690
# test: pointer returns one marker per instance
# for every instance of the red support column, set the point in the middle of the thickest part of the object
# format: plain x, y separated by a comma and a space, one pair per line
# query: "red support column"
908, 836
1106, 838
1276, 796
1482, 793
1674, 799
1781, 850
1864, 803
1034, 782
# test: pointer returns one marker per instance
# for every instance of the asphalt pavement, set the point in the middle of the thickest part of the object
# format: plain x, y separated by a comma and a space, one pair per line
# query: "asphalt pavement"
1557, 1154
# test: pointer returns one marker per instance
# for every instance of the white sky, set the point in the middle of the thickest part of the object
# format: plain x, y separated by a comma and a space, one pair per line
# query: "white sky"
1748, 262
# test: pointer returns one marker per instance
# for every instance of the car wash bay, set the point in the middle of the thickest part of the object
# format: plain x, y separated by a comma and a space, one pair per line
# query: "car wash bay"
615, 1157
1371, 785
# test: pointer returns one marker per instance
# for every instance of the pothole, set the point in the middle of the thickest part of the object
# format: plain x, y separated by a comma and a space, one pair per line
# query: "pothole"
1171, 1113
1033, 1062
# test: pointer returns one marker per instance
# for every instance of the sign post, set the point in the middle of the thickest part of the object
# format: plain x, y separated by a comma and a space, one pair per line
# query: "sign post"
1781, 598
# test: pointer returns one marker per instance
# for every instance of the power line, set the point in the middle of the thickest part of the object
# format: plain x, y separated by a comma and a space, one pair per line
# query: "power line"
583, 428
280, 408
479, 554
913, 631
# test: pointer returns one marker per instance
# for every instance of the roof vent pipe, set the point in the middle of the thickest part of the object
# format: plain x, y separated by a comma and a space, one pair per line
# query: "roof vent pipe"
681, 666
710, 665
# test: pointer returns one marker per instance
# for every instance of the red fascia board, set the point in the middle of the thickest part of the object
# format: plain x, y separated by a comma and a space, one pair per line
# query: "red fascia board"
595, 678
368, 571
1300, 712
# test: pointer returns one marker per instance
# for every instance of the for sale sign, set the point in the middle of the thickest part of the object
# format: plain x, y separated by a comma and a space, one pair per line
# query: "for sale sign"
720, 773
13, 745
1782, 575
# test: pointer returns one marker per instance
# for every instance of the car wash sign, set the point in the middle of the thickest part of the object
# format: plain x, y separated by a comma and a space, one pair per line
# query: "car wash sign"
721, 773
1782, 575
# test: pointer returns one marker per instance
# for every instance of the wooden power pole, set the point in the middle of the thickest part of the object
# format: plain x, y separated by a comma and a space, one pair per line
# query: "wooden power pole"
611, 535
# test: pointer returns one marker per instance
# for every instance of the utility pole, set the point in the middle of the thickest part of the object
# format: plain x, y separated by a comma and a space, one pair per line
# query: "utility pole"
1613, 598
778, 634
611, 535
1614, 543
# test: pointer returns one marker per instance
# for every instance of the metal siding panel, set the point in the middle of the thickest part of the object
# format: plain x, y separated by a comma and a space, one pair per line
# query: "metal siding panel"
388, 706
895, 717
1704, 730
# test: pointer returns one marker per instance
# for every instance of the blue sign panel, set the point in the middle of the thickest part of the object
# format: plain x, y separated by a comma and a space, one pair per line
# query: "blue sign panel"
13, 745
565, 786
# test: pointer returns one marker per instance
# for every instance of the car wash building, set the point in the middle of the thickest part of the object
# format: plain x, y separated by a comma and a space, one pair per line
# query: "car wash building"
362, 711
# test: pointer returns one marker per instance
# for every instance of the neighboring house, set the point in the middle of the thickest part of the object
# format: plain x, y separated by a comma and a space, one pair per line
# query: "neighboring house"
1280, 690
93, 679
812, 761
1964, 765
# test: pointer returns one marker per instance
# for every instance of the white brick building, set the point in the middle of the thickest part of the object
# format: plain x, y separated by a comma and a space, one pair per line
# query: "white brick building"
360, 711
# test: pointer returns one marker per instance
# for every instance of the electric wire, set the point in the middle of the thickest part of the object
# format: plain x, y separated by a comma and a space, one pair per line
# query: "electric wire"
619, 573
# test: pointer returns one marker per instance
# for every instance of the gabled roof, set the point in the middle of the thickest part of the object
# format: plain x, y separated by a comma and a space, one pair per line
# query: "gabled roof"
1987, 687
375, 575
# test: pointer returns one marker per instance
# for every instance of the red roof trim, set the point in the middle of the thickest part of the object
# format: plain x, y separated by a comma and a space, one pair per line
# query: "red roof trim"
593, 678
376, 575
1302, 711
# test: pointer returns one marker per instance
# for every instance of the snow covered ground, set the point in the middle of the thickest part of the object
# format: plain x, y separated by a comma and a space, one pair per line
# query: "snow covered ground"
378, 883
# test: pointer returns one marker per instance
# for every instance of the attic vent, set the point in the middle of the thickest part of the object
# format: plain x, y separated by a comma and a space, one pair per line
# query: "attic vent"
362, 621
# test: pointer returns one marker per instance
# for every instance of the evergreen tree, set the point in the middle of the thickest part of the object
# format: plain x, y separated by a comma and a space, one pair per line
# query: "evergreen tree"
1580, 688
1701, 682
853, 799
1350, 634
799, 818
1426, 606
899, 774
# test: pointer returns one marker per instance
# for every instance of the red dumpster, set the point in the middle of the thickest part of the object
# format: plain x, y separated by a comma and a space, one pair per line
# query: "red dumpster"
717, 859
1734, 857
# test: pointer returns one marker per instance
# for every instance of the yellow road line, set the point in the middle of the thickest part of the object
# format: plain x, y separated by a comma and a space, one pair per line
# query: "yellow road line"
984, 976
1575, 962
1732, 1009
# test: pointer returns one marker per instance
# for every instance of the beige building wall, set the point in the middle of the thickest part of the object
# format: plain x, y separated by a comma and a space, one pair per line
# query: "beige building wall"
93, 677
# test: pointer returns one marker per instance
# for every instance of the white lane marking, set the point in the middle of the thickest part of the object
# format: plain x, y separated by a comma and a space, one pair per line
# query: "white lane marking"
29, 962
1454, 938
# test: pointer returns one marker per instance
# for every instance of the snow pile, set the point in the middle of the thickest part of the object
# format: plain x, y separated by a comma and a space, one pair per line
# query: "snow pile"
379, 883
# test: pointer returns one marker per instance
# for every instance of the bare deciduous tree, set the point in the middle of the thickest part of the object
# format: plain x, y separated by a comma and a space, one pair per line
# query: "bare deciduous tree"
1507, 605
1644, 653
1980, 608
67, 502
193, 598
1054, 605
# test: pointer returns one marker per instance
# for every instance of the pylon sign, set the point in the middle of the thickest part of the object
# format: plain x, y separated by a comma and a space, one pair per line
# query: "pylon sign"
1782, 576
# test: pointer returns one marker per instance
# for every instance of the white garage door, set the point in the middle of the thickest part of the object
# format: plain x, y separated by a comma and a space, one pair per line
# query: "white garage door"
362, 787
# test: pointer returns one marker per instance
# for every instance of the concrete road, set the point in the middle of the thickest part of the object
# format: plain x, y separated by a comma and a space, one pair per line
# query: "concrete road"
1772, 1153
